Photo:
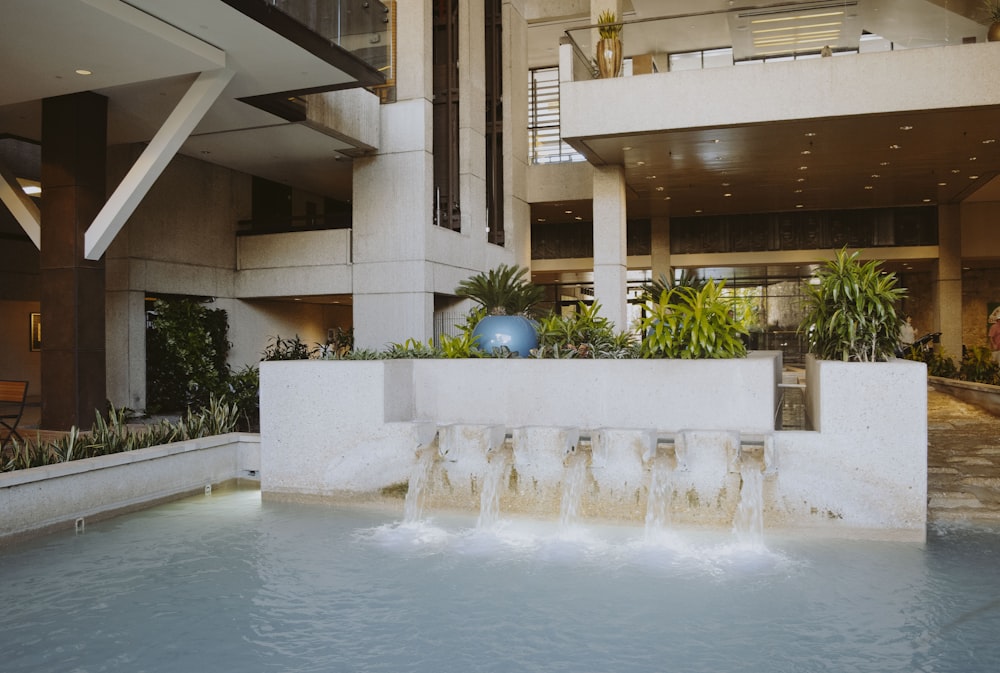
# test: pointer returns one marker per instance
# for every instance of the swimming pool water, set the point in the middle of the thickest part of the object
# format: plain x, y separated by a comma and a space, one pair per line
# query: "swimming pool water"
229, 583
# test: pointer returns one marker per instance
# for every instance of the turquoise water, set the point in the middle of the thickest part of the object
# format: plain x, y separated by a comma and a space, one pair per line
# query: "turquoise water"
228, 583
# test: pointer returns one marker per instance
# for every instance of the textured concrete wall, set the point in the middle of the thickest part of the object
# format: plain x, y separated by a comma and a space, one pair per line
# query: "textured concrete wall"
352, 429
56, 495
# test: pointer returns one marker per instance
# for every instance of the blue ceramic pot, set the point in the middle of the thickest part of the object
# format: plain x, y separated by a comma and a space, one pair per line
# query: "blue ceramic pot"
513, 331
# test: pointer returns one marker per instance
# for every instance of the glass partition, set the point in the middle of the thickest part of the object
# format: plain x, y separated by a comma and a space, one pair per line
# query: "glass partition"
359, 26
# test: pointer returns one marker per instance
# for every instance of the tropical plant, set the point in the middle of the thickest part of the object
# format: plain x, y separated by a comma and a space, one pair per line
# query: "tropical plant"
501, 291
461, 346
692, 323
978, 366
583, 333
412, 348
937, 361
851, 310
609, 27
991, 8
244, 390
187, 348
286, 349
651, 291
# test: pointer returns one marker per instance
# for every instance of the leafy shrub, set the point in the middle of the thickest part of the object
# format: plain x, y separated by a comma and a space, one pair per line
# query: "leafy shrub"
582, 334
978, 366
114, 435
287, 349
692, 323
186, 354
851, 311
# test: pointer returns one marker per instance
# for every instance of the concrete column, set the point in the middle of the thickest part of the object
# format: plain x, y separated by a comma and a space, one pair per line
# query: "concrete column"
659, 230
949, 280
609, 243
392, 281
74, 149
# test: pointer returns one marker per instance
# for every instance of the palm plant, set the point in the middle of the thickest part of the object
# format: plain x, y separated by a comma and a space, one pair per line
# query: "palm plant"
501, 291
991, 8
851, 310
608, 25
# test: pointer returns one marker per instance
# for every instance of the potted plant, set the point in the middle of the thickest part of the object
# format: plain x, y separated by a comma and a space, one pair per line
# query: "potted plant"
609, 46
851, 311
506, 297
991, 8
692, 322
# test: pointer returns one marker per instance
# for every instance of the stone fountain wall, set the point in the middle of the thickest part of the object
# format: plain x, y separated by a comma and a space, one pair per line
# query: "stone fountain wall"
354, 431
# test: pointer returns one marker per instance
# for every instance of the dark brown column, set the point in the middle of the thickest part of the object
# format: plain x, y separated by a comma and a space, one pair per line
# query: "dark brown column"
74, 149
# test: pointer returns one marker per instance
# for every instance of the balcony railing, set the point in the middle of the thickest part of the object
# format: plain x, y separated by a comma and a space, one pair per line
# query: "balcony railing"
358, 26
729, 38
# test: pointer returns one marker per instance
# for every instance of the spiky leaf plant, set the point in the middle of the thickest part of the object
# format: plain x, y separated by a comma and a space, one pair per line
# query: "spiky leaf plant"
851, 310
501, 291
689, 322
608, 25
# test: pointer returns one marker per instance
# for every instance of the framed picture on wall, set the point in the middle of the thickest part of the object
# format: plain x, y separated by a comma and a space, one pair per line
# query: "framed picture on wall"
35, 332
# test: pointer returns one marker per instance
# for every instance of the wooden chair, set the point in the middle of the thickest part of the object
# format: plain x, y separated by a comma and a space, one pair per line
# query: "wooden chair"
13, 395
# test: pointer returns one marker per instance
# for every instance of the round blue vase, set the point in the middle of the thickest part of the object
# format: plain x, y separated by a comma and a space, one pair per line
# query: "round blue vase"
513, 331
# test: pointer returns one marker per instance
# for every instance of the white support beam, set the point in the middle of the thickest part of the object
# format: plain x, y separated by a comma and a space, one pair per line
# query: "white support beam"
161, 149
20, 206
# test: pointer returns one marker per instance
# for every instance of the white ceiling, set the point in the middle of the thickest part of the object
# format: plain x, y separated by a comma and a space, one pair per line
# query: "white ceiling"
143, 55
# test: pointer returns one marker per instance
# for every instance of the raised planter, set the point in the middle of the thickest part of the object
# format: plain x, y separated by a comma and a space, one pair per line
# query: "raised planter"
982, 395
53, 496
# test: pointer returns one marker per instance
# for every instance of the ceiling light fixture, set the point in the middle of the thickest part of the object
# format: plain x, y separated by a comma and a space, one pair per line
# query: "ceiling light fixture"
83, 71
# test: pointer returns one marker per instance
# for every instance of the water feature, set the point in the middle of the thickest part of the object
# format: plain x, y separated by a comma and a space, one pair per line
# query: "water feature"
225, 582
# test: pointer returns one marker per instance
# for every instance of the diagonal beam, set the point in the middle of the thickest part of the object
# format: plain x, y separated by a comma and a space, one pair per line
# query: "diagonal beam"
20, 206
161, 149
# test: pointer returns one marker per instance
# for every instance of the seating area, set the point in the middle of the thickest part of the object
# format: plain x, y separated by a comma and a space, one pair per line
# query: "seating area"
13, 396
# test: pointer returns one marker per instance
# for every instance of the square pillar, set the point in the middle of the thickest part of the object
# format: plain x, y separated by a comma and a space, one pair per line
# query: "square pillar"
609, 244
948, 286
74, 148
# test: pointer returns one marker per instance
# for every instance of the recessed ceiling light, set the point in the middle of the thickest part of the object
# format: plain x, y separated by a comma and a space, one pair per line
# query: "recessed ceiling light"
810, 135
666, 198
725, 184
894, 146
83, 71
578, 218
927, 200
798, 191
869, 187
876, 176
883, 163
973, 177
540, 219
650, 177
803, 168
801, 180
31, 189
989, 141
640, 163
906, 127
727, 194
942, 184
798, 205
972, 158
626, 148
715, 140
697, 210
659, 189
806, 152
568, 212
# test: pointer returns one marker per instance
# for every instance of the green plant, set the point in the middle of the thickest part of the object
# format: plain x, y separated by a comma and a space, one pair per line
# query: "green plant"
244, 389
937, 361
411, 348
991, 8
582, 334
851, 310
501, 291
692, 323
460, 346
286, 349
609, 27
978, 366
186, 354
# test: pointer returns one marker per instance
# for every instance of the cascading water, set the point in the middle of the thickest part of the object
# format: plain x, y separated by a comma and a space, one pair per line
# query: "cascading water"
574, 481
661, 491
413, 507
748, 524
489, 503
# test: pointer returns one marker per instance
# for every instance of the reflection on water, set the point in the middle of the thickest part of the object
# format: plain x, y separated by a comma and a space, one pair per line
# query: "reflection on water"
226, 583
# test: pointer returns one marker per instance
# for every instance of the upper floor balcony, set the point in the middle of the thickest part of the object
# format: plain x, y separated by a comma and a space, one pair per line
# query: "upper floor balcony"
713, 128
